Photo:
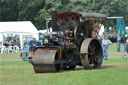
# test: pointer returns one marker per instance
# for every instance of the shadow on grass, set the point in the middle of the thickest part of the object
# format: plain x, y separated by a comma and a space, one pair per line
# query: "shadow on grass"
106, 67
102, 67
80, 68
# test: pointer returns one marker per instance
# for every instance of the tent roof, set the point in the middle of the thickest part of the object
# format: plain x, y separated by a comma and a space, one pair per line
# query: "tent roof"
18, 26
115, 17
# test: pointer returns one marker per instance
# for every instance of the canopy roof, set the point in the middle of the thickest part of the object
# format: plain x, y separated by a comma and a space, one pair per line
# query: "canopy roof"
18, 26
65, 16
93, 15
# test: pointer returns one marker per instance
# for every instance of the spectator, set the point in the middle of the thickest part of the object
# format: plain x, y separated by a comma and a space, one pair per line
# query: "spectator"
126, 43
99, 38
93, 34
16, 43
105, 42
118, 42
101, 29
6, 44
10, 43
32, 44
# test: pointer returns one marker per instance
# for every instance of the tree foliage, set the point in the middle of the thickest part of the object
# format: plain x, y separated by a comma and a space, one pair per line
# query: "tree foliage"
38, 11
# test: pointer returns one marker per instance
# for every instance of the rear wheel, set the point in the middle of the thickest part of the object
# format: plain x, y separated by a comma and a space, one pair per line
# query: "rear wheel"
91, 53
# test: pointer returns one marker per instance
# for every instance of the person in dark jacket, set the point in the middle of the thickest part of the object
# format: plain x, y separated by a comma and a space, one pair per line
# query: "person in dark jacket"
6, 44
32, 44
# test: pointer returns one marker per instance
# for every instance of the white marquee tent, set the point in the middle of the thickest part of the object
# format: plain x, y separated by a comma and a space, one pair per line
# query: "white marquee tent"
24, 29
20, 26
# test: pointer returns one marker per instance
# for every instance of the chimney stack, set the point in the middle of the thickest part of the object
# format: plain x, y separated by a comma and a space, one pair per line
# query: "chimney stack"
54, 19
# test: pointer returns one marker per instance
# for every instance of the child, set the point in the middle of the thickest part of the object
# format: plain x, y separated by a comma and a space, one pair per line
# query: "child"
105, 42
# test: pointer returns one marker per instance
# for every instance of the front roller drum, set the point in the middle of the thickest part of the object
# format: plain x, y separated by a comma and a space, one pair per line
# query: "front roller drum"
44, 61
91, 53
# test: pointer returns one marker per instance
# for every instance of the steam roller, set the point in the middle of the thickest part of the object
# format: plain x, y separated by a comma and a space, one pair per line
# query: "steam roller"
69, 44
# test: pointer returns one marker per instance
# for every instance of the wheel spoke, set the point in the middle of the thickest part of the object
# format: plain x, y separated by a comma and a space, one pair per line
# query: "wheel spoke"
93, 60
90, 48
96, 60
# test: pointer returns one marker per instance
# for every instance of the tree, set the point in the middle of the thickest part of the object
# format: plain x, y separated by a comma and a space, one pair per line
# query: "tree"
9, 12
38, 11
41, 19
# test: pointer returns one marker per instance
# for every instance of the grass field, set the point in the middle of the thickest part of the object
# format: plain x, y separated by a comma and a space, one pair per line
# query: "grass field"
114, 71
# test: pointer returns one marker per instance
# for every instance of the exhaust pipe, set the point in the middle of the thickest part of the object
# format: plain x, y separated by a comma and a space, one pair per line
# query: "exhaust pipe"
54, 19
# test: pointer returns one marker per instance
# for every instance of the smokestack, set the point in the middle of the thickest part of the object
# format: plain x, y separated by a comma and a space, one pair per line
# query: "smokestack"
54, 19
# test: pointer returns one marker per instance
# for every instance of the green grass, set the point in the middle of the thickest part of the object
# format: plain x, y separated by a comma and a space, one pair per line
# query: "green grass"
112, 51
114, 71
9, 56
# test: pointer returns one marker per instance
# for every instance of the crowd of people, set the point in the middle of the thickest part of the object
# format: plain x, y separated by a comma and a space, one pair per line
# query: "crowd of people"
10, 45
125, 42
106, 42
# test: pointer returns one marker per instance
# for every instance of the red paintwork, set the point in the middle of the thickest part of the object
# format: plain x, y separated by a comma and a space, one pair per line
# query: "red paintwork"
64, 16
